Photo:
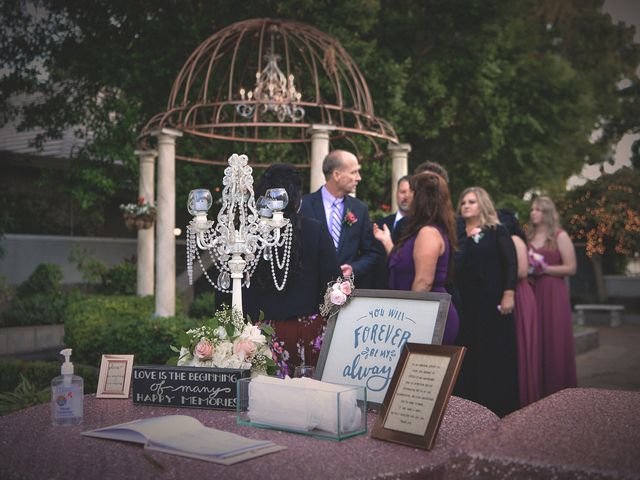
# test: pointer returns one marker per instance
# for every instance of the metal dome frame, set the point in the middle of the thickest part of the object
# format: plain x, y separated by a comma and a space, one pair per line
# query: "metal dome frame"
205, 98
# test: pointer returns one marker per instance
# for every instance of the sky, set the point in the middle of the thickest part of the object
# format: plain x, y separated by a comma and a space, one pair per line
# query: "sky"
628, 12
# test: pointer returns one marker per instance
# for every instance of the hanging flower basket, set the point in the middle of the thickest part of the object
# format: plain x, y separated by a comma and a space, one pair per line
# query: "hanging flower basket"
139, 222
139, 216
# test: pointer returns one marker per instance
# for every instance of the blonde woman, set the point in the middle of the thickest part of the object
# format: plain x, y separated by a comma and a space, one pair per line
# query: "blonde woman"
552, 258
486, 273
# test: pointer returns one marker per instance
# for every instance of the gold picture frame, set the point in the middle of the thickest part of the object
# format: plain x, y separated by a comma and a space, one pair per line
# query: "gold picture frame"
418, 395
115, 376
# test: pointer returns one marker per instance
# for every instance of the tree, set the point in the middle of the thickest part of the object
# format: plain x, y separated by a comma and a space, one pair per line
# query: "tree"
605, 213
504, 94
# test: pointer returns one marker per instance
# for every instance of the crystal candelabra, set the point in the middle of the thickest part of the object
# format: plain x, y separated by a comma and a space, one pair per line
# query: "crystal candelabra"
245, 229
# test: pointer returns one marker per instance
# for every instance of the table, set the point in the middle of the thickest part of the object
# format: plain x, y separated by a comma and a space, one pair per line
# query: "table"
32, 448
576, 433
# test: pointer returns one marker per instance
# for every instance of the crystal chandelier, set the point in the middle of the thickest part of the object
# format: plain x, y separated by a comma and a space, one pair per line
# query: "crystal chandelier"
245, 229
274, 91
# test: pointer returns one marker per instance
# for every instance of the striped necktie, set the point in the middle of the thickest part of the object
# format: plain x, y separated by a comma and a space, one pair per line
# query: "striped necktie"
336, 222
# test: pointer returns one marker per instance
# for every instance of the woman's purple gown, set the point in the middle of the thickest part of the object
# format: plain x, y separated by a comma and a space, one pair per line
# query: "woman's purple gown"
556, 331
529, 348
402, 272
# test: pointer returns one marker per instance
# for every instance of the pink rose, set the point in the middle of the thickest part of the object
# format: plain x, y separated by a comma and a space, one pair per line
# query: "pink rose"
475, 231
337, 297
345, 287
204, 349
244, 347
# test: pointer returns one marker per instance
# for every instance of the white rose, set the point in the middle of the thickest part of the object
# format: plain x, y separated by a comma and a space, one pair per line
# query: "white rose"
221, 333
337, 297
184, 359
253, 334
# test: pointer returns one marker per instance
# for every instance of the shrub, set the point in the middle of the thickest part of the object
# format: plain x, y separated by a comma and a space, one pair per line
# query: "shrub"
45, 279
39, 300
98, 324
120, 279
204, 306
40, 374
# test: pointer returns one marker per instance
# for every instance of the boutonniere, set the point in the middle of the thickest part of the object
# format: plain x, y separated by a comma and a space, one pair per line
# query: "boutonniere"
476, 234
350, 218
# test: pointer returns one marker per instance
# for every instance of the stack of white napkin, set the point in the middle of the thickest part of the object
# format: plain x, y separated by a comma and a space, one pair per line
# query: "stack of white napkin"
304, 404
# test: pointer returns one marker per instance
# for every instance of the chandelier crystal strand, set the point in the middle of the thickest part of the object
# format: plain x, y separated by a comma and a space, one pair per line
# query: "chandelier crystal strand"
286, 257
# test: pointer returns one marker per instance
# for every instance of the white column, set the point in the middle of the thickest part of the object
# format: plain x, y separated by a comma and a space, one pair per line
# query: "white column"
165, 223
399, 168
146, 238
319, 150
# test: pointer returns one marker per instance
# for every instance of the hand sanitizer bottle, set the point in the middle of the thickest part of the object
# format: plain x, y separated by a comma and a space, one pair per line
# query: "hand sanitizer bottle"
67, 391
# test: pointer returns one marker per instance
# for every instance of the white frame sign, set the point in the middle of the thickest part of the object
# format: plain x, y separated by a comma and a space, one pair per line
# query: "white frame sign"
365, 338
115, 376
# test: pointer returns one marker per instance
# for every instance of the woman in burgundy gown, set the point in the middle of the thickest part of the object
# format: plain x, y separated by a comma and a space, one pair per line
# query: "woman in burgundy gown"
555, 260
420, 260
526, 315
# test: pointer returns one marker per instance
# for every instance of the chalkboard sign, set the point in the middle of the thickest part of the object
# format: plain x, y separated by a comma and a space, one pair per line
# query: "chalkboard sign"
192, 387
364, 339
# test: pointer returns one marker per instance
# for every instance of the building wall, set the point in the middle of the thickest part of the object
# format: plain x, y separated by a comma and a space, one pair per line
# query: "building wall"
23, 253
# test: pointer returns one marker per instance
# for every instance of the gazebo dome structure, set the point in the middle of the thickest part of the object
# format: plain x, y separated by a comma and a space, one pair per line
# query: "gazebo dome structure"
260, 81
267, 80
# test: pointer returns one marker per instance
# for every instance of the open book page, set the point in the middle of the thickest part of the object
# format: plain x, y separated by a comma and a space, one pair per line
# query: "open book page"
186, 436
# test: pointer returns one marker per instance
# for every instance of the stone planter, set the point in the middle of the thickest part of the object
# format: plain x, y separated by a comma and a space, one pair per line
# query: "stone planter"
33, 338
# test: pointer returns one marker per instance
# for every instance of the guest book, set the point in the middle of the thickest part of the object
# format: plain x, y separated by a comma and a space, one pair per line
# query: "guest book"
185, 436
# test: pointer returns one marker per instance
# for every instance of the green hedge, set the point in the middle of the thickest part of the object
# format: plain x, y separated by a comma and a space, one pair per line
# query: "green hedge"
39, 300
40, 374
97, 325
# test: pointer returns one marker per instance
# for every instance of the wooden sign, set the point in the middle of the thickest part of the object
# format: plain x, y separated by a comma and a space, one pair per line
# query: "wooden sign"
364, 340
416, 400
192, 387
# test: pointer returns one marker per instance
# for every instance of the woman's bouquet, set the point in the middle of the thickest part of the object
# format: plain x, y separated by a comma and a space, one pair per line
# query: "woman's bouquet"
338, 294
227, 341
537, 265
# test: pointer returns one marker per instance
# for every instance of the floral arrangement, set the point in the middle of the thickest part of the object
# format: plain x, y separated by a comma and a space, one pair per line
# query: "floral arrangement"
476, 234
227, 341
350, 218
537, 265
338, 294
139, 209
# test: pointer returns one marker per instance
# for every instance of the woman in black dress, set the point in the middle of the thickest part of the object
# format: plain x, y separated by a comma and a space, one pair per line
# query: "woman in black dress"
486, 272
293, 311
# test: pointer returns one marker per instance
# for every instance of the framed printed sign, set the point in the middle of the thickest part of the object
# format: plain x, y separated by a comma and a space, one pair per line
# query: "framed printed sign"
416, 400
115, 376
364, 339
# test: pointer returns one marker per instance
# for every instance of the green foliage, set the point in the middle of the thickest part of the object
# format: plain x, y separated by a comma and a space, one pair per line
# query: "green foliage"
605, 214
98, 324
45, 279
25, 395
119, 279
26, 383
503, 94
203, 306
39, 300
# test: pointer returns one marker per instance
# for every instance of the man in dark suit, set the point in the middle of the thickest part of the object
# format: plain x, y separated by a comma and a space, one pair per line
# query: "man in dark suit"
345, 217
404, 196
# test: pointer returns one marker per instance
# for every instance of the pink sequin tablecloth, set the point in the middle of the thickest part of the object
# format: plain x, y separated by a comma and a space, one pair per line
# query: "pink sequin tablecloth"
31, 448
574, 434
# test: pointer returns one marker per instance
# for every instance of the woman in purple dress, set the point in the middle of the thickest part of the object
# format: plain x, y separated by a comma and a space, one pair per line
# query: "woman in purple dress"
420, 260
553, 258
526, 314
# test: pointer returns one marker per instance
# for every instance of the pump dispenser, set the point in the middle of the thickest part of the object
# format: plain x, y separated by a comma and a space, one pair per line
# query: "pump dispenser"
67, 392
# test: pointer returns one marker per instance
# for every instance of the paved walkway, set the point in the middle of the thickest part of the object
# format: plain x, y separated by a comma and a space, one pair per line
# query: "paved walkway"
615, 364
